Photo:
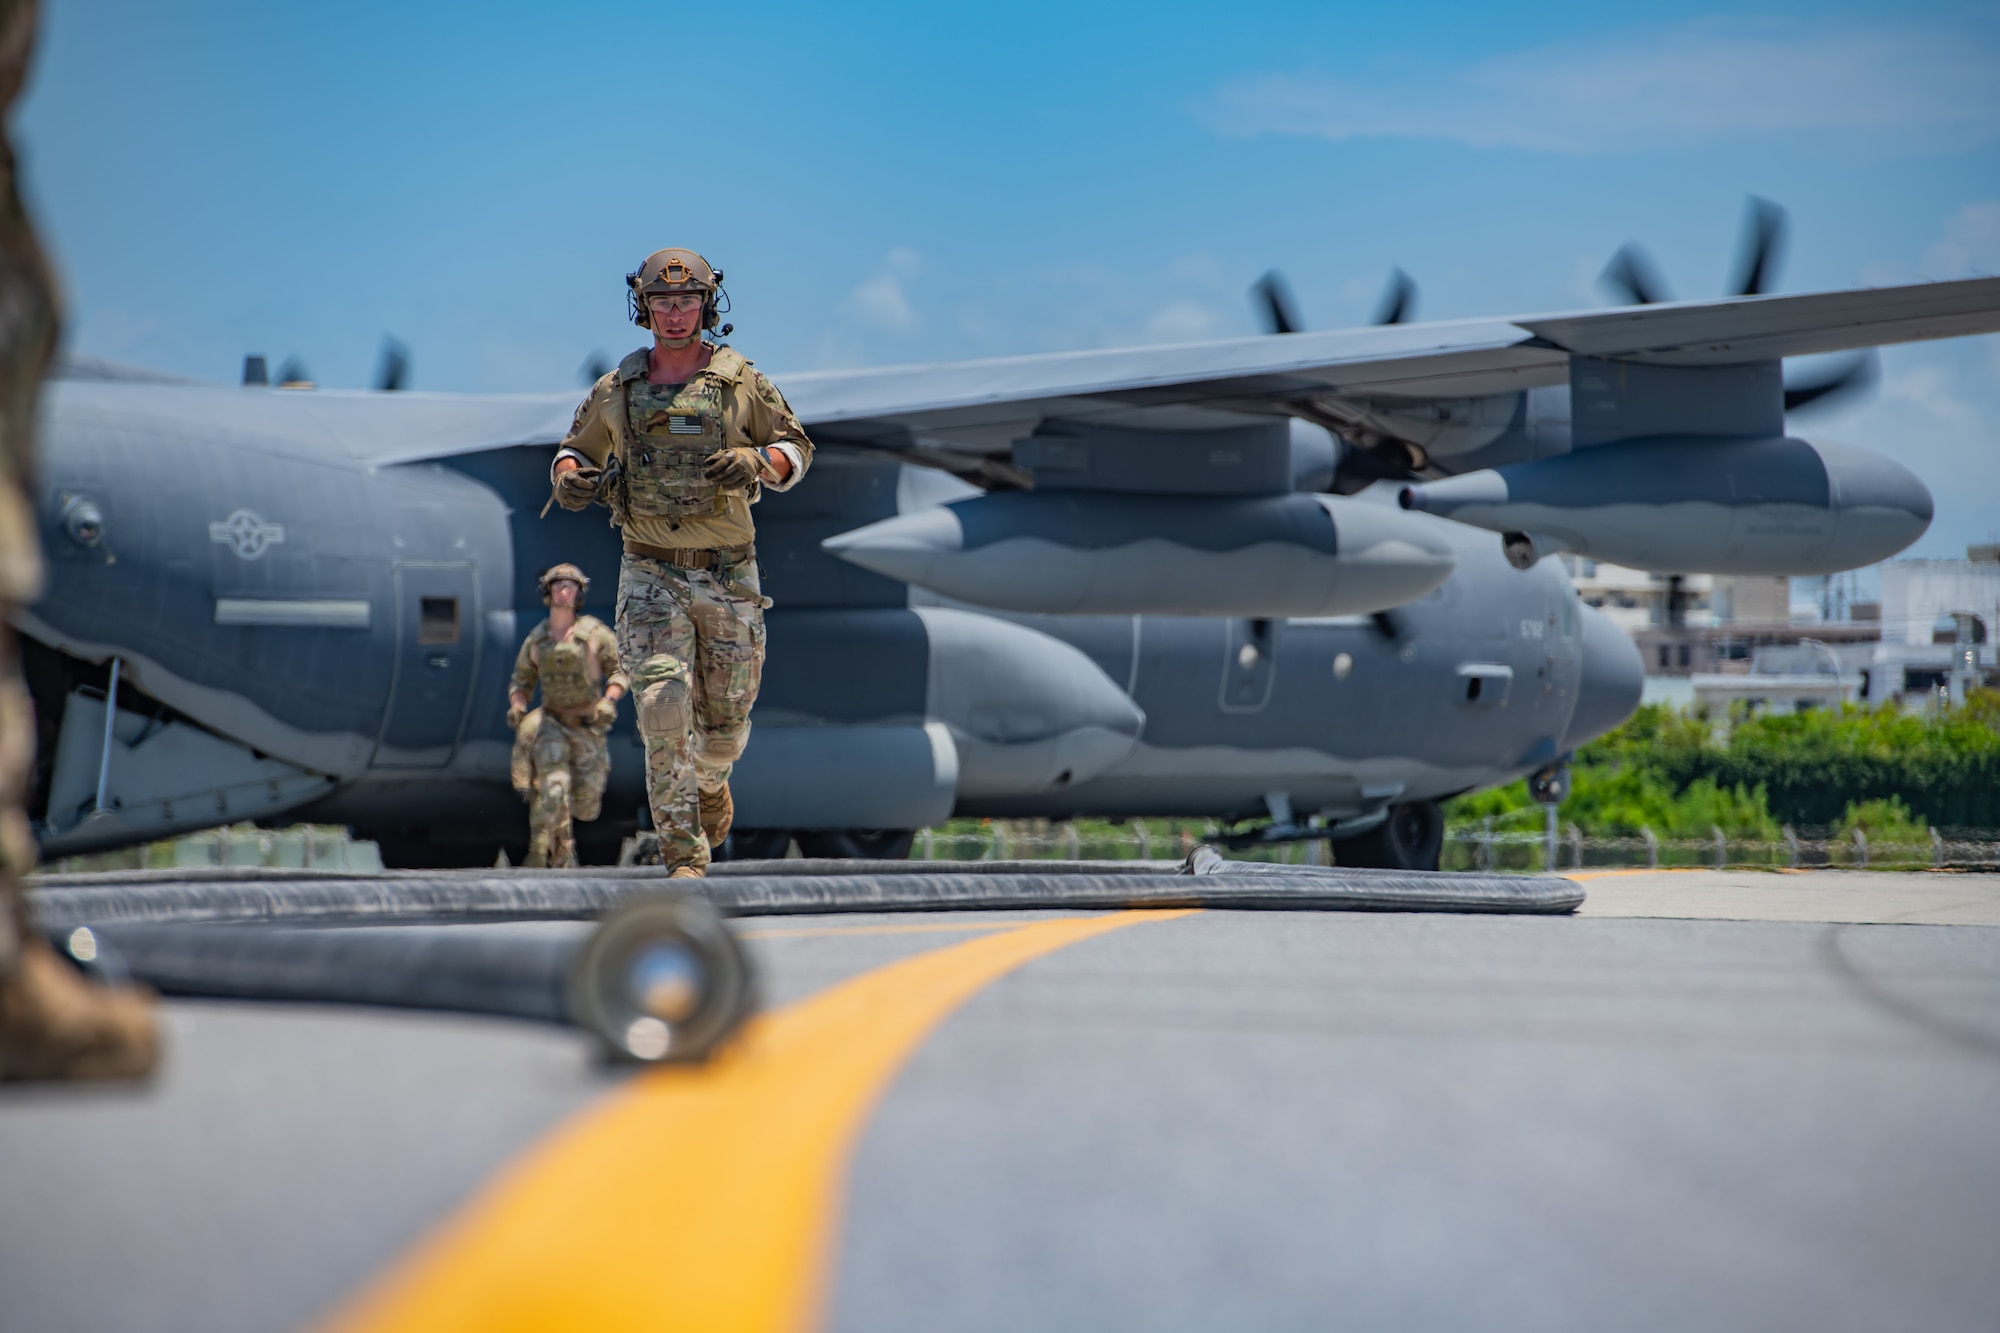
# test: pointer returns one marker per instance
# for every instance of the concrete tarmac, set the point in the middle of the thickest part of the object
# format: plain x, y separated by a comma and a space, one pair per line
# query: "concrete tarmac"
1768, 1113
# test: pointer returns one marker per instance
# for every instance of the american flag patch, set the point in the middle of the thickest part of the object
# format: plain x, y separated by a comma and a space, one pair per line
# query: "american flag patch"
683, 425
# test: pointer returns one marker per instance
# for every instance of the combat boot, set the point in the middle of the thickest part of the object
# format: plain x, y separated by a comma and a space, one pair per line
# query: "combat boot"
718, 812
55, 1024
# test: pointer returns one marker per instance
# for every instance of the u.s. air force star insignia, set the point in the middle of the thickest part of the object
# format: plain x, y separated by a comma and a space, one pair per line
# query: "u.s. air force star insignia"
246, 534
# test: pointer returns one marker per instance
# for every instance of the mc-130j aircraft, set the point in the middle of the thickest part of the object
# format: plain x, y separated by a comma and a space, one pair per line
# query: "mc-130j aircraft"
1301, 577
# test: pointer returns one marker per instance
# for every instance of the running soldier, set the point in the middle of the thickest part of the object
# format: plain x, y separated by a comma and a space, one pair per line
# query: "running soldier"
560, 760
678, 442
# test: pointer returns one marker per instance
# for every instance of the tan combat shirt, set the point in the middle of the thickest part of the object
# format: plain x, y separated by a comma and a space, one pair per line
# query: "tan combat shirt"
754, 414
600, 656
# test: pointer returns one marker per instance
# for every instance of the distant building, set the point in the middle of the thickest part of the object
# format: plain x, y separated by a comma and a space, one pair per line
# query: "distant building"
1635, 599
1758, 598
1732, 648
1790, 678
1920, 598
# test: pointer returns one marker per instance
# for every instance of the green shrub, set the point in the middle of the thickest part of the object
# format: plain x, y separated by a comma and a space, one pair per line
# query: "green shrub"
1885, 821
1822, 769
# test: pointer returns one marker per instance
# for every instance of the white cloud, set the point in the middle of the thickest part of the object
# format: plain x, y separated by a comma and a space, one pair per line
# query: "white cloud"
1182, 321
1933, 413
1971, 242
882, 301
1928, 89
1931, 388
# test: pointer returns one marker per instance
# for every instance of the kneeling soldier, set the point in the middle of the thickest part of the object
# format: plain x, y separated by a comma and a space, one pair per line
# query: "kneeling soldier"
560, 760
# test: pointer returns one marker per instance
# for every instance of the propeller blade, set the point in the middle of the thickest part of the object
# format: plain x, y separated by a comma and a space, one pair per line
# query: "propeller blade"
1399, 300
1761, 250
595, 367
394, 371
1281, 313
1631, 276
1852, 375
294, 372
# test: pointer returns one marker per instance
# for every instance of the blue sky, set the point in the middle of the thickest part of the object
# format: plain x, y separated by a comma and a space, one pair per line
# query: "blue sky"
899, 182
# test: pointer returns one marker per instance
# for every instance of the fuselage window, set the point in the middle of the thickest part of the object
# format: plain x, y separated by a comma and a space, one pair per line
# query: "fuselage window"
437, 620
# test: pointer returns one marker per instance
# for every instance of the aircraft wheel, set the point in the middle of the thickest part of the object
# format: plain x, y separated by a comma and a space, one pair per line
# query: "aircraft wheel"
756, 844
1411, 838
858, 844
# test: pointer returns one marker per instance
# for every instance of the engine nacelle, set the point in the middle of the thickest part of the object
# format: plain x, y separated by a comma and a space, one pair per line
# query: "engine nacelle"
1776, 505
1109, 554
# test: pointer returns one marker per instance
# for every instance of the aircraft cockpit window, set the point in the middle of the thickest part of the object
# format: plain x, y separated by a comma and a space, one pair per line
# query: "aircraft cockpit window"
437, 620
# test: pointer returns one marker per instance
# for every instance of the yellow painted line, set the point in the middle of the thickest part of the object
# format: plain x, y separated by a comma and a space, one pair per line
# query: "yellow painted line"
699, 1198
928, 928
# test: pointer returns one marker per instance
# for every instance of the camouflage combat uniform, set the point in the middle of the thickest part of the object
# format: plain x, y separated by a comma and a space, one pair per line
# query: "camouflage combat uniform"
690, 607
560, 761
53, 1024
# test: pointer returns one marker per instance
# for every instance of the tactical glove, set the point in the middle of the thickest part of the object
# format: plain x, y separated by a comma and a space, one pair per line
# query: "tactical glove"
605, 713
514, 715
734, 469
577, 487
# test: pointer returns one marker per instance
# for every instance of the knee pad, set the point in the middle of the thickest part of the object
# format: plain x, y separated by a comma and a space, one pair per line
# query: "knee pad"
661, 684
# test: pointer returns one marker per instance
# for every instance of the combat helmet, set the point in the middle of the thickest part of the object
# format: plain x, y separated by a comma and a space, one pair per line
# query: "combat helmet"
563, 571
675, 271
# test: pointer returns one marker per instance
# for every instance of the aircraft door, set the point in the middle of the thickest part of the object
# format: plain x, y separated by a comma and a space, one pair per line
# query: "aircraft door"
1249, 665
437, 660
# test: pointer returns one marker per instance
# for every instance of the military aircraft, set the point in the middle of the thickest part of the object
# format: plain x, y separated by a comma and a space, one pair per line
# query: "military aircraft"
1300, 578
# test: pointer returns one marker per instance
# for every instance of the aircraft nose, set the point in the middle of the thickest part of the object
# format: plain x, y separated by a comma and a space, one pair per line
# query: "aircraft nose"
1613, 677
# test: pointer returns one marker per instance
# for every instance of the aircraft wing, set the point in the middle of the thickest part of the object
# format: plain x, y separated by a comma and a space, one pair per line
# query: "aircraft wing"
976, 409
979, 405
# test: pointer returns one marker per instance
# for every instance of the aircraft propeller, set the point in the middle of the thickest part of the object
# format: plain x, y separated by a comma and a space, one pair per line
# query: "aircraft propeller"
1635, 279
1281, 312
394, 370
595, 367
1634, 276
1849, 375
1631, 274
293, 372
1398, 301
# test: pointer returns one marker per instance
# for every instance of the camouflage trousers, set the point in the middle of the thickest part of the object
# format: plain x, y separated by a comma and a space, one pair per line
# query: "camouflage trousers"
695, 653
17, 841
561, 768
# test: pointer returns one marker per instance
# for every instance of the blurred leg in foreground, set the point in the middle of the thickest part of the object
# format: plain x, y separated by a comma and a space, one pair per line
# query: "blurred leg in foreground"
54, 1023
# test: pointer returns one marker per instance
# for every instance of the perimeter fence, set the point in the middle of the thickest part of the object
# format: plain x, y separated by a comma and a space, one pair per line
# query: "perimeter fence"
1470, 848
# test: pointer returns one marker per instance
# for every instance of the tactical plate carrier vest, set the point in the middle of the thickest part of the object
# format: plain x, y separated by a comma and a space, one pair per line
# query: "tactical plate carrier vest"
669, 435
565, 676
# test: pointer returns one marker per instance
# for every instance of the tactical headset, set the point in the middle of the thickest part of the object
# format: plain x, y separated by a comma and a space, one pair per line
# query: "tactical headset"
665, 264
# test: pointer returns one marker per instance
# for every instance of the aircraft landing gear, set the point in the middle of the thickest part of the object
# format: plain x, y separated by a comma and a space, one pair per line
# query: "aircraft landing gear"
858, 844
1411, 838
755, 844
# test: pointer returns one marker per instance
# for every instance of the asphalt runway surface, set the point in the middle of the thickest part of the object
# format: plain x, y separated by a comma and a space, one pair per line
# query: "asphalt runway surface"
1734, 1101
